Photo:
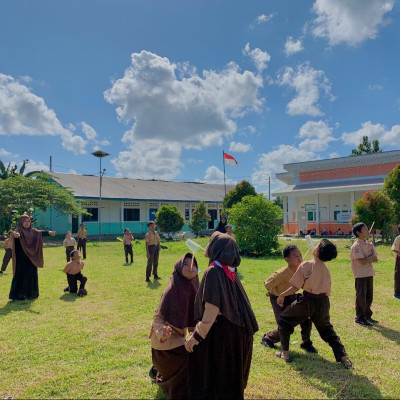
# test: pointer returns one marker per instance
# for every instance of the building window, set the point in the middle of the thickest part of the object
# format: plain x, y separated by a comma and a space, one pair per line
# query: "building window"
310, 216
91, 218
335, 214
131, 214
187, 212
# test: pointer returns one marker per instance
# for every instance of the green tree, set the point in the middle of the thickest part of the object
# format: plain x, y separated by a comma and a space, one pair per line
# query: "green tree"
169, 219
200, 218
255, 228
374, 206
278, 201
365, 147
241, 190
19, 194
391, 188
10, 171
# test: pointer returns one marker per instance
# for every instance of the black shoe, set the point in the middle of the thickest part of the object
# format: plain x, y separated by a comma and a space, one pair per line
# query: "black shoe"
309, 349
148, 280
363, 322
372, 321
153, 373
66, 289
267, 343
1, 272
157, 277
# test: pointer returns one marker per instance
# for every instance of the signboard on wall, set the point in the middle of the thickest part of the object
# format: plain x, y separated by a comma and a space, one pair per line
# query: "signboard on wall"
344, 217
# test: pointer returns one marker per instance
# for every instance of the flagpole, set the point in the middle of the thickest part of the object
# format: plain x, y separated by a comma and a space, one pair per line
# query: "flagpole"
223, 161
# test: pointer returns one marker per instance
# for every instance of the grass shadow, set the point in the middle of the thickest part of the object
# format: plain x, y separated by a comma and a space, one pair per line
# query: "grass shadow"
333, 379
68, 297
154, 285
388, 333
18, 305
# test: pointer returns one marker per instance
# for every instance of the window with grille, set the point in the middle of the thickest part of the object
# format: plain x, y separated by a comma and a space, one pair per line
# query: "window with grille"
91, 218
131, 214
131, 204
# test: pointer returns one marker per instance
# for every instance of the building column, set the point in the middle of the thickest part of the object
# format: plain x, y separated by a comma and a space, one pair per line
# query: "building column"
351, 201
317, 227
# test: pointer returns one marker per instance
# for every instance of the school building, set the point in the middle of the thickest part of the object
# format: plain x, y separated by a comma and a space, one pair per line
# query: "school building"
320, 194
129, 203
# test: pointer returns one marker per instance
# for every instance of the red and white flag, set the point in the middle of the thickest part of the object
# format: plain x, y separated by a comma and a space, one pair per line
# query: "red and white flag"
229, 160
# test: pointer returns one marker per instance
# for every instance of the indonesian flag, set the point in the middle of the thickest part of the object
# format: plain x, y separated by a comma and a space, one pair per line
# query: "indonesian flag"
229, 160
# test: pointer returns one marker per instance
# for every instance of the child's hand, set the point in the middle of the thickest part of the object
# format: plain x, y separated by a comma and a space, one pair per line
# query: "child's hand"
52, 233
280, 300
167, 331
16, 234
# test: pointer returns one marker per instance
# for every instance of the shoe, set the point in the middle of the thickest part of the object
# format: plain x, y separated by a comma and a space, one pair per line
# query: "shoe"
346, 362
66, 289
363, 322
148, 280
309, 349
397, 296
372, 321
267, 343
157, 277
279, 355
1, 272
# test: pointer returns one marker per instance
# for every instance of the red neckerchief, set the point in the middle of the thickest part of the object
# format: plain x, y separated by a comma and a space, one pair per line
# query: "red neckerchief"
229, 271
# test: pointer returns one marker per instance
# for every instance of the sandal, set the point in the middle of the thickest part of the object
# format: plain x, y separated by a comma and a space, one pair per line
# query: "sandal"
279, 355
346, 362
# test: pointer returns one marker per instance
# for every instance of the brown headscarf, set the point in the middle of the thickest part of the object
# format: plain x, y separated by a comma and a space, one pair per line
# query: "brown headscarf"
177, 301
217, 289
31, 241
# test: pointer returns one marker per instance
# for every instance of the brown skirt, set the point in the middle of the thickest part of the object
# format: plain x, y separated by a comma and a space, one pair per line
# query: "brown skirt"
172, 371
219, 365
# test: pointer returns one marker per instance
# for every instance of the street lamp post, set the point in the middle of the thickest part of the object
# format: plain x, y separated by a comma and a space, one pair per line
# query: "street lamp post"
100, 154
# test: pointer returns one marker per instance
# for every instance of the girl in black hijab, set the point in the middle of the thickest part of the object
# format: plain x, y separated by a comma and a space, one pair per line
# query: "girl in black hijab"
221, 345
172, 320
221, 227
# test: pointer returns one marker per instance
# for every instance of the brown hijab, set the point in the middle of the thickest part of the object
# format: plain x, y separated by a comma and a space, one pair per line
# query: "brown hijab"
217, 289
177, 301
31, 241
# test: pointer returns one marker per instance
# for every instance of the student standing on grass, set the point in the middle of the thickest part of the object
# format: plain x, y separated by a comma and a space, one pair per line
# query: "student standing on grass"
27, 245
171, 322
363, 254
152, 240
128, 238
396, 249
278, 283
69, 243
82, 238
315, 279
221, 345
8, 254
73, 270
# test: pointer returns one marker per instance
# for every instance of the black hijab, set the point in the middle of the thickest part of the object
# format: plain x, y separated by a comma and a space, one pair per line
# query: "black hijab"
177, 301
217, 289
221, 226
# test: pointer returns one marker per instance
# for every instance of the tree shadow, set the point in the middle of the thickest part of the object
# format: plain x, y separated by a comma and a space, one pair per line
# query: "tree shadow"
154, 285
18, 305
333, 379
388, 333
69, 297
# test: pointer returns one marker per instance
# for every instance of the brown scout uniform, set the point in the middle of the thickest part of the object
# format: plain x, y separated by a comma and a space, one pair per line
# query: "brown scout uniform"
82, 237
69, 244
315, 279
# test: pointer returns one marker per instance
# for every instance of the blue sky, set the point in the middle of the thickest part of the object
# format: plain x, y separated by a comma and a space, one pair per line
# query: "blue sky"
166, 86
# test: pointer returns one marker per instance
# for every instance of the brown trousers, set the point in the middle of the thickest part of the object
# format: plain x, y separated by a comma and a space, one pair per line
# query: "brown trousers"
82, 246
306, 325
364, 296
397, 277
152, 262
316, 307
6, 259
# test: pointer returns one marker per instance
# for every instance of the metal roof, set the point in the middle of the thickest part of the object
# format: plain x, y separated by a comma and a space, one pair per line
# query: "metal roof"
348, 185
87, 186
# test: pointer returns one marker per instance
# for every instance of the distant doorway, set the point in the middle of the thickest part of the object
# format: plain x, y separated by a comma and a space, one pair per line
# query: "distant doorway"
75, 224
152, 214
214, 216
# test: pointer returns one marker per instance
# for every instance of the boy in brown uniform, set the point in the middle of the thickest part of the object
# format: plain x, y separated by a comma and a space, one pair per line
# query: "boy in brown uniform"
128, 238
363, 254
152, 240
315, 279
73, 270
278, 283
8, 254
396, 249
69, 244
82, 236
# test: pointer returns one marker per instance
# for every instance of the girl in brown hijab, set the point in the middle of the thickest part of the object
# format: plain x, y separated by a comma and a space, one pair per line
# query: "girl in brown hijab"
27, 244
173, 318
221, 345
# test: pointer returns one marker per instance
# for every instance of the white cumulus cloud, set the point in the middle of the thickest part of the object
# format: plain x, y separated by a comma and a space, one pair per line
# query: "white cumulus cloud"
24, 113
214, 175
316, 136
172, 107
349, 21
293, 46
259, 57
308, 84
239, 147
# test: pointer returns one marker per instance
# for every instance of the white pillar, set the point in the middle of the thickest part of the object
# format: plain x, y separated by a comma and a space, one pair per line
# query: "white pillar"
317, 212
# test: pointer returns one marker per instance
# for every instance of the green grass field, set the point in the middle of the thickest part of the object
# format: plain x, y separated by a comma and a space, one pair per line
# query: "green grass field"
63, 346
